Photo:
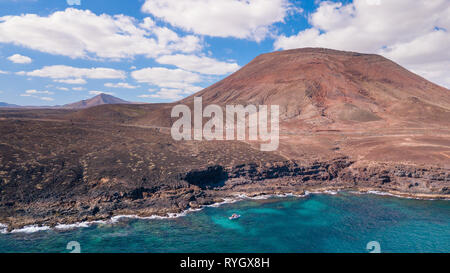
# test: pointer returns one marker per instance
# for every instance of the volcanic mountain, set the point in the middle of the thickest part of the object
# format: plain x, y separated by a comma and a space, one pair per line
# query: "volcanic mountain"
320, 89
100, 99
328, 101
324, 87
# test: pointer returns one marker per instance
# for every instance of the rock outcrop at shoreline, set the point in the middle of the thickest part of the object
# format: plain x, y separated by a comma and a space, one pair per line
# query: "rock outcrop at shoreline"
202, 187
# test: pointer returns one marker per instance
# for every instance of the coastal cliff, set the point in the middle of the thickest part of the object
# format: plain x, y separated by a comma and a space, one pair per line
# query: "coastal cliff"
214, 184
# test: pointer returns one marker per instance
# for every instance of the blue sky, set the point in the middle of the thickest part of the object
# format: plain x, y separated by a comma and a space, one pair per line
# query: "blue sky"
53, 53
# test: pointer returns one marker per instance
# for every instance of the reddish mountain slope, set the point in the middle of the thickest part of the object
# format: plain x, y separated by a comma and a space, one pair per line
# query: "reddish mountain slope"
332, 103
322, 86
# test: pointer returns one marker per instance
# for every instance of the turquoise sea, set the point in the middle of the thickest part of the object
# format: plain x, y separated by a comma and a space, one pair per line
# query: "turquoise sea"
317, 223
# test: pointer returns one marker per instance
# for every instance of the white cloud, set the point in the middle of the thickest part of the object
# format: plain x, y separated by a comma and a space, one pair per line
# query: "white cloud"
20, 59
78, 88
124, 85
74, 75
3, 72
37, 94
144, 96
100, 92
74, 2
250, 19
412, 33
46, 98
83, 34
72, 81
174, 83
62, 88
168, 94
33, 91
202, 65
147, 23
65, 72
167, 78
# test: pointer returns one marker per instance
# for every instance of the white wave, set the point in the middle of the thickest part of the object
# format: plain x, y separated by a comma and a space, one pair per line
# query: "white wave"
267, 196
31, 229
236, 198
117, 218
3, 228
72, 226
323, 192
357, 192
385, 194
239, 197
382, 193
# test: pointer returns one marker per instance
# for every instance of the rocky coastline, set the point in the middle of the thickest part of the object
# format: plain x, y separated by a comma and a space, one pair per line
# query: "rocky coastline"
215, 184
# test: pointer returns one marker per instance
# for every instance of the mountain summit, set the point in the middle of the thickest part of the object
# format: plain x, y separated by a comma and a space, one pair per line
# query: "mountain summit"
100, 99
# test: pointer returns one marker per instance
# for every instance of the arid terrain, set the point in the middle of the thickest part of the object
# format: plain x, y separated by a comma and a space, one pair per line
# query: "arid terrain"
349, 121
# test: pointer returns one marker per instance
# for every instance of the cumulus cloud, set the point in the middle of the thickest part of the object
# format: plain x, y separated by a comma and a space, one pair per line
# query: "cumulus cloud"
72, 81
33, 91
74, 2
94, 92
168, 78
171, 94
3, 72
124, 85
20, 59
250, 19
412, 33
74, 75
83, 34
62, 88
202, 65
38, 94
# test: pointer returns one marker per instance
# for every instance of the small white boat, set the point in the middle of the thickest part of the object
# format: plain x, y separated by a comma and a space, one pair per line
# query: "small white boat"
234, 217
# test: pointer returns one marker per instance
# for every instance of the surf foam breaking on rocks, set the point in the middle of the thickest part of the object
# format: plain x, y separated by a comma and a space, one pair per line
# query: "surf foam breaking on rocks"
31, 229
230, 200
117, 218
3, 229
382, 193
